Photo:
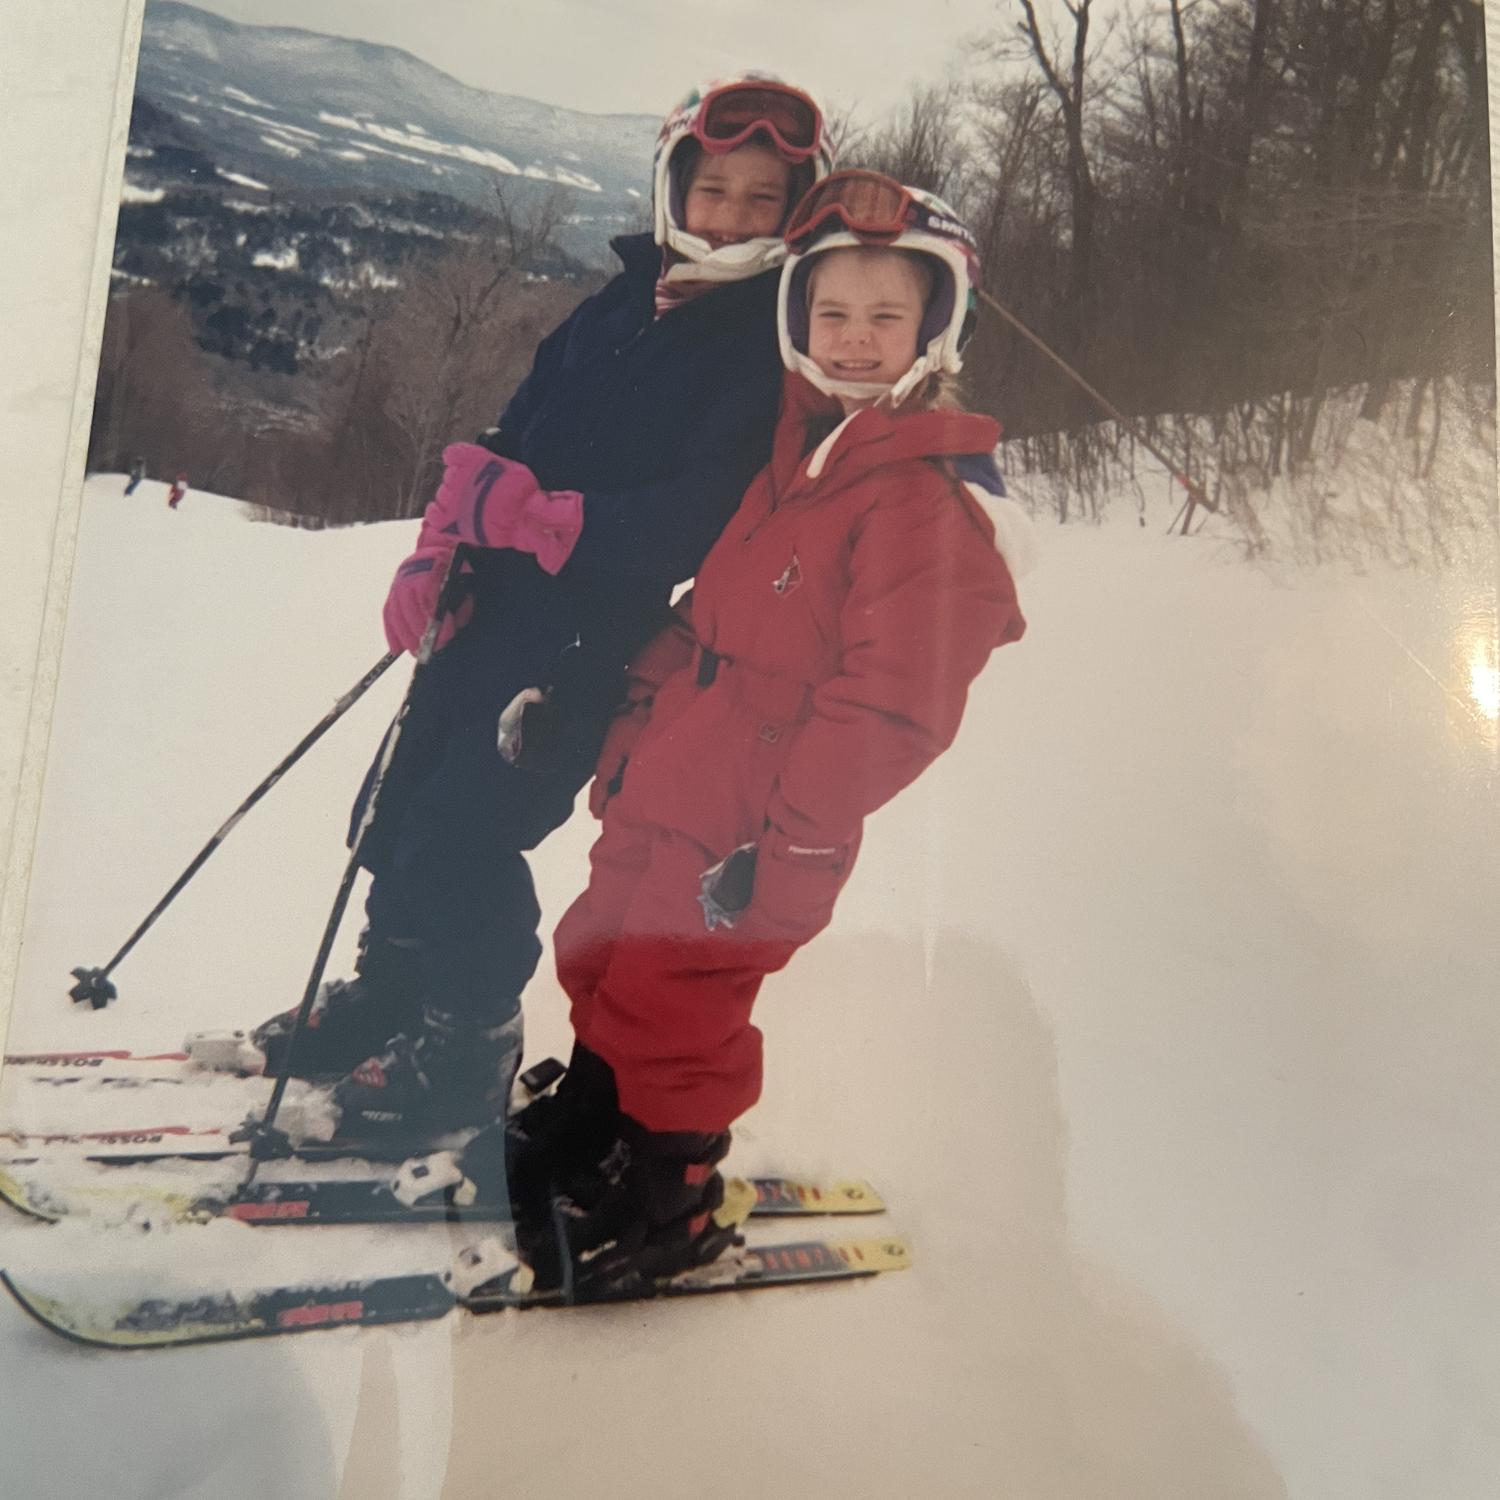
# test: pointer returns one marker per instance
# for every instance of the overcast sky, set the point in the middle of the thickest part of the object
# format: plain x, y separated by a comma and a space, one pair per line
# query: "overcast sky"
641, 56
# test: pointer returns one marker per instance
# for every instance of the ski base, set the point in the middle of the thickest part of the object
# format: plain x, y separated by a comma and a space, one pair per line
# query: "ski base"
160, 1323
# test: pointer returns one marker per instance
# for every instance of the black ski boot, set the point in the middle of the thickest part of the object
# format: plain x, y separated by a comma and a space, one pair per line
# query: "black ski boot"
664, 1211
455, 1073
559, 1143
351, 1019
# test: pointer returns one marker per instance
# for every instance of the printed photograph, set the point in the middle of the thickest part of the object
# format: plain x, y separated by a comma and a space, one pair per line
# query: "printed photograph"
846, 653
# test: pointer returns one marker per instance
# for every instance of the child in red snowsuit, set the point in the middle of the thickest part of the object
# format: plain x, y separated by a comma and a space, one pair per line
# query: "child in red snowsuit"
821, 662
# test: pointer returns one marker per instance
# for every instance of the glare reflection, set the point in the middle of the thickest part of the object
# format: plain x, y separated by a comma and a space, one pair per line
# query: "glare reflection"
1484, 680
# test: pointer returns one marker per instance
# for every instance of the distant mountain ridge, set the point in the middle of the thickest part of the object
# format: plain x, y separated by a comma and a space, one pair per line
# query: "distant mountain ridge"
287, 106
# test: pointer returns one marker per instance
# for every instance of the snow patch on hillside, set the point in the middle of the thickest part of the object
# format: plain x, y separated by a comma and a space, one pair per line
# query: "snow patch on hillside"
284, 259
240, 180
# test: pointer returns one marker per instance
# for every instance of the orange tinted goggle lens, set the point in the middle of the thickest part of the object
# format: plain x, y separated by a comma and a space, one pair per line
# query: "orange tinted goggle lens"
864, 203
736, 112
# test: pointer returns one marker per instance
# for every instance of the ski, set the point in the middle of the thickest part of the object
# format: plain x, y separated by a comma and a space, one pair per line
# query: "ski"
141, 1143
145, 1145
160, 1323
286, 1200
86, 1061
156, 1144
155, 1323
116, 1068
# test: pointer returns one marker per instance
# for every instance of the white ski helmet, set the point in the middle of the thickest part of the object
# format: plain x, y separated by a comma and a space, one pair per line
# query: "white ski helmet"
720, 116
858, 207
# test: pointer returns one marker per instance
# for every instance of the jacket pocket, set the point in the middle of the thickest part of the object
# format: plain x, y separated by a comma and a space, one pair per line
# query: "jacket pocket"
796, 886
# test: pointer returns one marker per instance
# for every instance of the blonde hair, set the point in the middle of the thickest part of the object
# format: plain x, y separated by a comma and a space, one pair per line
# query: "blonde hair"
939, 392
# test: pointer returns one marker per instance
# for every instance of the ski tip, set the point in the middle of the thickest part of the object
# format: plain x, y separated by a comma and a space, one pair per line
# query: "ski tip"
793, 1196
106, 1331
215, 1318
887, 1253
121, 1329
46, 1311
20, 1197
855, 1197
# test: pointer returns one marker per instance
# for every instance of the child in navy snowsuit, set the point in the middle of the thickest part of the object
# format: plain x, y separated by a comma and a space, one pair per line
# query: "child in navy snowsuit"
603, 485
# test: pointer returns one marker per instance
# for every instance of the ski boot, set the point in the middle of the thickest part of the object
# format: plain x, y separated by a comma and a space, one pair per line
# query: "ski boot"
350, 1020
555, 1140
547, 1144
665, 1211
455, 1073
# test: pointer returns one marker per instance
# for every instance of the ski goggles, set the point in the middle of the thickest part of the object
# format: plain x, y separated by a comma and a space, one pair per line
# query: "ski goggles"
729, 116
867, 204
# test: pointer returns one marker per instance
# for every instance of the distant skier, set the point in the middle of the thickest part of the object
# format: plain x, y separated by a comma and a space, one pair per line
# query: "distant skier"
137, 473
821, 662
178, 490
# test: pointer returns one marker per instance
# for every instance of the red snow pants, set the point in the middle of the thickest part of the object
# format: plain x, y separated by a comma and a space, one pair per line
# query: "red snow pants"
663, 1000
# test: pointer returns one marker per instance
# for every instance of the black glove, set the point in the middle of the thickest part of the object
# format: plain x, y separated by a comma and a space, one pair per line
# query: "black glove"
725, 890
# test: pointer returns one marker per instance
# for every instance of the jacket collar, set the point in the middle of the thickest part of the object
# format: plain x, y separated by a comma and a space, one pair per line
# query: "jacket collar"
870, 438
641, 261
639, 255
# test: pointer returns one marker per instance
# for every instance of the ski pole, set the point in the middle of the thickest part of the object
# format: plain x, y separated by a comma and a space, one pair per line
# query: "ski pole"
1196, 494
94, 985
265, 1140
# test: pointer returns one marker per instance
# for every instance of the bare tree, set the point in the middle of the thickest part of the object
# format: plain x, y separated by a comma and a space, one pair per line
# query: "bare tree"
1069, 92
153, 387
920, 145
845, 133
441, 345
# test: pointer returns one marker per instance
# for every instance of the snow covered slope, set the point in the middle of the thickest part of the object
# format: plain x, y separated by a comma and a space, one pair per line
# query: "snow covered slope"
1161, 1010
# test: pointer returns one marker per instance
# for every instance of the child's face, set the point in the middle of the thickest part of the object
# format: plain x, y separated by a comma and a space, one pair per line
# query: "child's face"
738, 196
864, 314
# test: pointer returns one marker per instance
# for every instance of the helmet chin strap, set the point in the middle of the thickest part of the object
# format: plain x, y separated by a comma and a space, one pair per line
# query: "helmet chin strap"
727, 262
920, 370
866, 390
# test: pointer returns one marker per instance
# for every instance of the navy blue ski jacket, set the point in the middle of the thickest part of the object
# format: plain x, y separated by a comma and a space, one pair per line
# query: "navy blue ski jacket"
661, 424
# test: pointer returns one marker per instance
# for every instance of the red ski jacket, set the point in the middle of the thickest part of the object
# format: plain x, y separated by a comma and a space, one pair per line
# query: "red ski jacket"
826, 651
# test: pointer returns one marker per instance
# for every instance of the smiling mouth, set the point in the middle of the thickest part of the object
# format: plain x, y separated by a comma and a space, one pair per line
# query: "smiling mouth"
857, 366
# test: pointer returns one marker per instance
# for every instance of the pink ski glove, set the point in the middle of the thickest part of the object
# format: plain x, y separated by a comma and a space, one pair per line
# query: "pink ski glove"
496, 502
414, 596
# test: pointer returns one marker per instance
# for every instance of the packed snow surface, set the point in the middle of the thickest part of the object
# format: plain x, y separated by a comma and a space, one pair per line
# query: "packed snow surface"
1160, 1010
